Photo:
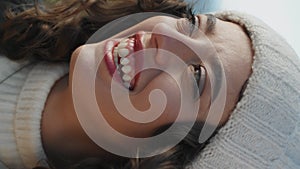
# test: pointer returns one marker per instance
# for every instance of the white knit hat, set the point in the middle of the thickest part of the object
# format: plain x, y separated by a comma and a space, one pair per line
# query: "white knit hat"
264, 129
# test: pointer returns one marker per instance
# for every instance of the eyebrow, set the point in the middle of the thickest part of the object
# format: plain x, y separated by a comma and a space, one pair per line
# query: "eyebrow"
210, 23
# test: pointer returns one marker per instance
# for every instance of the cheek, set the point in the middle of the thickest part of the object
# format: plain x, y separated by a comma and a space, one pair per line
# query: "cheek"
140, 101
168, 89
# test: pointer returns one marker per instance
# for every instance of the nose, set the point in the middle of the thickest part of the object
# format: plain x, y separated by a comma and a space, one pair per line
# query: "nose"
168, 39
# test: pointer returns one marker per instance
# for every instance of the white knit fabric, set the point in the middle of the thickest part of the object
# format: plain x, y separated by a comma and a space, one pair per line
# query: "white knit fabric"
24, 88
263, 131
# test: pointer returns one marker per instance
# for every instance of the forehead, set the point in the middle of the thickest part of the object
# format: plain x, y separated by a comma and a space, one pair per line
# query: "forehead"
229, 37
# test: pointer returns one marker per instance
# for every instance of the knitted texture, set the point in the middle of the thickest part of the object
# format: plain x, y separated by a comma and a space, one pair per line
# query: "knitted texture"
263, 131
24, 88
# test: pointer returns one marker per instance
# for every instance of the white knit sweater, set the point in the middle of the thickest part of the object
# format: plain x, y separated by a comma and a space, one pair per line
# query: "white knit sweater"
263, 131
24, 88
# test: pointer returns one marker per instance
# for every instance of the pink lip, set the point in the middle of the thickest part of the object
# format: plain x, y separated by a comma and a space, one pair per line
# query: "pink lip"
109, 59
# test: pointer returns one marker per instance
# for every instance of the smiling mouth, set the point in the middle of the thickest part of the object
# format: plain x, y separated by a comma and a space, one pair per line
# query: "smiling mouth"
121, 58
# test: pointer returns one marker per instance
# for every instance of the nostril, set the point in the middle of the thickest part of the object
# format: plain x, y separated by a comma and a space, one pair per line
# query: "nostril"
157, 40
157, 43
154, 41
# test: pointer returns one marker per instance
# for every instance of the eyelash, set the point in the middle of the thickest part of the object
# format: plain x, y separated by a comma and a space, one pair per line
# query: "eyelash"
198, 71
192, 21
187, 26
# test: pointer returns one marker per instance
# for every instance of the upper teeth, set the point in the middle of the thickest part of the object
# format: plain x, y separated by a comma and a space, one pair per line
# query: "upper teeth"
124, 61
126, 78
122, 51
126, 69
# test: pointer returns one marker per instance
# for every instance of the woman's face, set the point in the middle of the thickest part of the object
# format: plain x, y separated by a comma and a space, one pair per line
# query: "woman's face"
123, 55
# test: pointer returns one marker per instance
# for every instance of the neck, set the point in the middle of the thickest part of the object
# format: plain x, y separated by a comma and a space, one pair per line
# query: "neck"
64, 140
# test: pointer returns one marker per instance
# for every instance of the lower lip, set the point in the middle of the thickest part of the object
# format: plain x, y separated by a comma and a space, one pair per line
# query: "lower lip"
109, 59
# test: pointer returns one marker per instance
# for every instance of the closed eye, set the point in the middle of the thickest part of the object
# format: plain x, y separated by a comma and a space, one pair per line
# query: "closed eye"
194, 24
188, 26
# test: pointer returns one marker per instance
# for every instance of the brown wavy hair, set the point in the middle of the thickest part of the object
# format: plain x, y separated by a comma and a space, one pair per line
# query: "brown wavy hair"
41, 33
178, 157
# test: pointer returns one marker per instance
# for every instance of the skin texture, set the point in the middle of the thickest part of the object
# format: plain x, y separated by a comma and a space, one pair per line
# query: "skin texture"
61, 132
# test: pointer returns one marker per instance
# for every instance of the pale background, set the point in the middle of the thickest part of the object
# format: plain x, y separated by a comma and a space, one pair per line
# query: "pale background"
281, 15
